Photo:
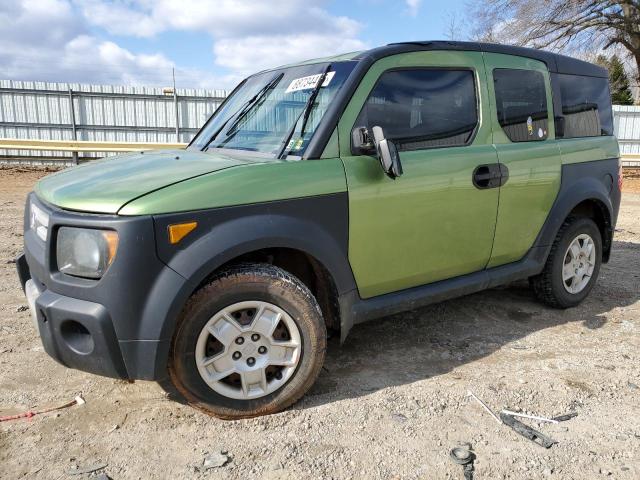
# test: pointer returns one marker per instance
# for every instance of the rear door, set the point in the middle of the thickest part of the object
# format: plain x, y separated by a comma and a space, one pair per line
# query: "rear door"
432, 223
524, 137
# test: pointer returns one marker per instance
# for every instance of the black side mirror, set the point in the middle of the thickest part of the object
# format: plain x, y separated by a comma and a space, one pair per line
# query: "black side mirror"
361, 142
387, 154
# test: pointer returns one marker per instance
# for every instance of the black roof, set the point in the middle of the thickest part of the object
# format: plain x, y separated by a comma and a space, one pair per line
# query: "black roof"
555, 62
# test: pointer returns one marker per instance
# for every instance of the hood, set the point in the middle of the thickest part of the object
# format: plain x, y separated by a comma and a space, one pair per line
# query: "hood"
105, 186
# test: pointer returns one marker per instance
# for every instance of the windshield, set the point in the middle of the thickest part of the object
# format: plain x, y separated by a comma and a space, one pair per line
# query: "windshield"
274, 113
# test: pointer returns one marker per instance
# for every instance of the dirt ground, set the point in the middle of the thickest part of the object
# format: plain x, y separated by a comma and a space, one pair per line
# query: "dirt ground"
390, 403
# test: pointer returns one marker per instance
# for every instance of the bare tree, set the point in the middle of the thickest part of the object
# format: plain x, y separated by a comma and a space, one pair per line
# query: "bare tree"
453, 29
582, 25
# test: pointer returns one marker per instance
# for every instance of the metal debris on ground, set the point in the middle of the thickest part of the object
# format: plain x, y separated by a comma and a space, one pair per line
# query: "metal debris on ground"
463, 455
526, 431
531, 417
215, 460
76, 401
565, 417
89, 469
484, 405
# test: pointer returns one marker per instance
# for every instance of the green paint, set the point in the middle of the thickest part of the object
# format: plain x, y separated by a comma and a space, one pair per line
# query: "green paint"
575, 150
104, 186
534, 173
431, 223
428, 225
246, 184
332, 150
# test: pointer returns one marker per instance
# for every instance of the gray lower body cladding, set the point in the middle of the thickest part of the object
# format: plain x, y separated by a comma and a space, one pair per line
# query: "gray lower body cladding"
121, 326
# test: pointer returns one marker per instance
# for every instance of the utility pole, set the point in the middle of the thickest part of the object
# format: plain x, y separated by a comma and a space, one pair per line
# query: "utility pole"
74, 133
175, 104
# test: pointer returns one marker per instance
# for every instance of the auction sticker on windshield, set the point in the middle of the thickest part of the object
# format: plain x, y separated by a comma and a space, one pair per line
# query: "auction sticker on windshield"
304, 83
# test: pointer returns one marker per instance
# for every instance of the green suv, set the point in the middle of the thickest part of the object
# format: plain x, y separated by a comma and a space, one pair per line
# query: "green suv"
318, 196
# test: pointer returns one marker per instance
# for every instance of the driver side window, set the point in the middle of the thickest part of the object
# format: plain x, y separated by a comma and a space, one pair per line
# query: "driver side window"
423, 108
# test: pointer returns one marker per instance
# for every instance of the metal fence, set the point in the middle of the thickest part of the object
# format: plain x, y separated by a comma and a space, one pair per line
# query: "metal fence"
107, 113
626, 125
100, 113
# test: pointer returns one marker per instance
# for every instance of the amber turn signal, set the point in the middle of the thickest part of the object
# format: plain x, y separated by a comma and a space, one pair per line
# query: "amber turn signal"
178, 231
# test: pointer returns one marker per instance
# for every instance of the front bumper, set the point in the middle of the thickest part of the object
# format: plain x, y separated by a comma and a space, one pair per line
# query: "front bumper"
117, 326
76, 333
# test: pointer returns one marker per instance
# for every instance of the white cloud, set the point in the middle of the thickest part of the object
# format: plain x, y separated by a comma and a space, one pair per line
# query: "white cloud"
57, 40
119, 18
256, 53
220, 18
413, 6
247, 35
47, 40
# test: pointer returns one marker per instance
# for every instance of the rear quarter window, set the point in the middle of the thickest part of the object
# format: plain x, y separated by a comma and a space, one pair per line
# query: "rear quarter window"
586, 106
521, 104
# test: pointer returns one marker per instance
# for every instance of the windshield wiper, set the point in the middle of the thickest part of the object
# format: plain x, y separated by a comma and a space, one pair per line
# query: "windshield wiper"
306, 112
245, 109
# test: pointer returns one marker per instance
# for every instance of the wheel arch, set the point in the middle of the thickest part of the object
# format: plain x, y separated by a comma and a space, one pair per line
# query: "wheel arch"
306, 237
587, 196
301, 264
597, 210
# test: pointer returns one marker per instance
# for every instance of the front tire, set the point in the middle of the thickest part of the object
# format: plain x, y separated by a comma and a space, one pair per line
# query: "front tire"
573, 264
251, 342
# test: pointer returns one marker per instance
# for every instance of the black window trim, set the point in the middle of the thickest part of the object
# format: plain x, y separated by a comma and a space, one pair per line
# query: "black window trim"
495, 98
474, 133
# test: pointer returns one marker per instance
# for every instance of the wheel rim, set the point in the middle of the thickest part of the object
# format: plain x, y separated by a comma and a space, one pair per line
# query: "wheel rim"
579, 263
248, 350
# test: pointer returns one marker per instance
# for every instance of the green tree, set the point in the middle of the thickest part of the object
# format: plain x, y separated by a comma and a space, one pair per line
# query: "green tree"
618, 79
620, 91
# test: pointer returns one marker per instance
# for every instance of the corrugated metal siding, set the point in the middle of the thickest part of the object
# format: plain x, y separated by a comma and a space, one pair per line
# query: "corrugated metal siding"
626, 126
41, 110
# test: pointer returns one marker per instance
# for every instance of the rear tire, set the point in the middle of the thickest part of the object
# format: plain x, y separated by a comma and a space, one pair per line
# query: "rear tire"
573, 264
260, 324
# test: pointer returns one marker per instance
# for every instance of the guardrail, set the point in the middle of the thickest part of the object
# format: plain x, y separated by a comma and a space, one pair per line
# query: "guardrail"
631, 160
99, 113
84, 146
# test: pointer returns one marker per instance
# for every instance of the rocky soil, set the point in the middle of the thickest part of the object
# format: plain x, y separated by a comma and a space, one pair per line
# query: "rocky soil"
390, 403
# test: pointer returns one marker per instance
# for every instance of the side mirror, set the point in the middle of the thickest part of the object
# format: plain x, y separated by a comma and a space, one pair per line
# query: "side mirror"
361, 141
387, 154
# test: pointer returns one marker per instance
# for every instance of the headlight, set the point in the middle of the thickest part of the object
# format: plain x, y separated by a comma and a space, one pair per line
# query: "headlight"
85, 252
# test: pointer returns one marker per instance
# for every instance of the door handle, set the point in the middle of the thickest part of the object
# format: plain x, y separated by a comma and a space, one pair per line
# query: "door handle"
487, 176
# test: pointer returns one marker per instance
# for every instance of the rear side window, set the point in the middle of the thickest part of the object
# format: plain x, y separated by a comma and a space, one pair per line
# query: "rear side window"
586, 106
423, 108
521, 104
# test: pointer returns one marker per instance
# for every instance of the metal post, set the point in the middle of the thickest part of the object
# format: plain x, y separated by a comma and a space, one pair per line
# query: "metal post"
72, 115
175, 104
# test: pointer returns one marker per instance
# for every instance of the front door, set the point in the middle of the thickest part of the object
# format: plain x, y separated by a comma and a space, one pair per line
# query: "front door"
432, 223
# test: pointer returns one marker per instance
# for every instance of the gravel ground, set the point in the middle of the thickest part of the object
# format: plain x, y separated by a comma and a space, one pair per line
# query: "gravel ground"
390, 403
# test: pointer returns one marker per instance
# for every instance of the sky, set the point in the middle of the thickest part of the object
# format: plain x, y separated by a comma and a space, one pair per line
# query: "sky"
209, 43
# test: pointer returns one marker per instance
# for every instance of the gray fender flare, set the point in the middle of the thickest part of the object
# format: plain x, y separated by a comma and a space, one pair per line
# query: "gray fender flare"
584, 188
224, 242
